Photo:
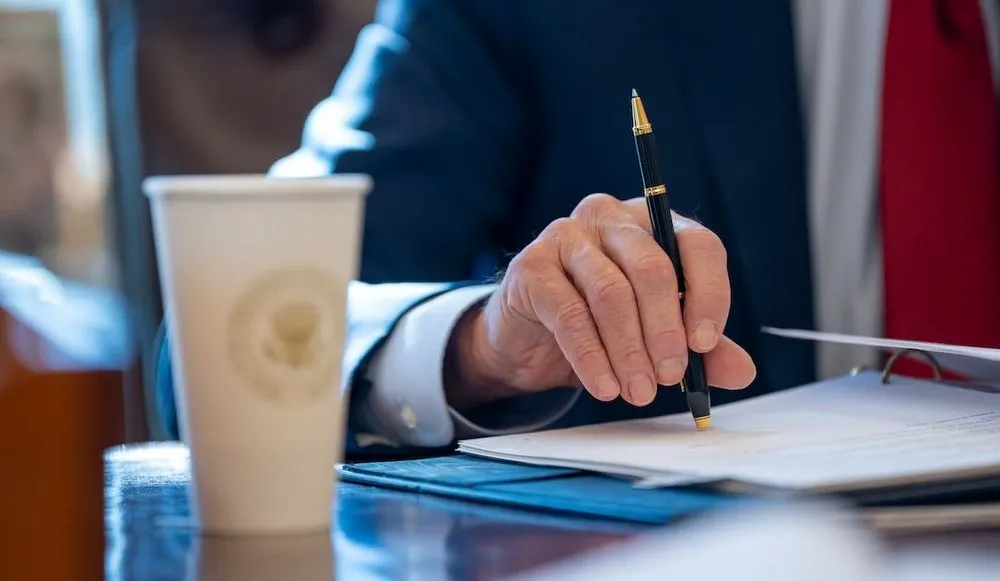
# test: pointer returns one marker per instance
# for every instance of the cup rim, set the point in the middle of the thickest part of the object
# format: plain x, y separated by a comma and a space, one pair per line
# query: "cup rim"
238, 186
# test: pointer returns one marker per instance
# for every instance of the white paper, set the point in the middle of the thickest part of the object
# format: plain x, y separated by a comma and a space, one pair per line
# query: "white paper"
672, 480
843, 433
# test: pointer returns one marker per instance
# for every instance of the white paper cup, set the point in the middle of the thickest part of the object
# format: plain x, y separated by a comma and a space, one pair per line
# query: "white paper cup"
255, 272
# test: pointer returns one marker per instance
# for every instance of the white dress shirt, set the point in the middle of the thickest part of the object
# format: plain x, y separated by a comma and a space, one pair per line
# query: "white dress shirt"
840, 57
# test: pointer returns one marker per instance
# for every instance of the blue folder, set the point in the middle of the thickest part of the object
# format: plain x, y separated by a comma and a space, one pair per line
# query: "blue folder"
537, 488
575, 492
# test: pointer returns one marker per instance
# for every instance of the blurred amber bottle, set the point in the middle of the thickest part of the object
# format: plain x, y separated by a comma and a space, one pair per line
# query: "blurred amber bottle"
58, 414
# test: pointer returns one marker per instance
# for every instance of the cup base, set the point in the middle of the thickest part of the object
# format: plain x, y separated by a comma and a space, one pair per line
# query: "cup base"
213, 531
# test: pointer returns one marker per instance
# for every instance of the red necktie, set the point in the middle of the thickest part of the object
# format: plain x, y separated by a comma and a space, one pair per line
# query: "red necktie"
940, 176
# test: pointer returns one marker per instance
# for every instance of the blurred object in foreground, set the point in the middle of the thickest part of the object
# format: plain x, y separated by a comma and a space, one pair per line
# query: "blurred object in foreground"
62, 354
934, 564
789, 542
786, 543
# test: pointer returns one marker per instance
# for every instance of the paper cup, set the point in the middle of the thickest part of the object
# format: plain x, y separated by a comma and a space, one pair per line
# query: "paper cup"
255, 272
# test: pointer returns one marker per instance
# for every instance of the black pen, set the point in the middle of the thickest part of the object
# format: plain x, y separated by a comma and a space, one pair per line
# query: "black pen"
694, 384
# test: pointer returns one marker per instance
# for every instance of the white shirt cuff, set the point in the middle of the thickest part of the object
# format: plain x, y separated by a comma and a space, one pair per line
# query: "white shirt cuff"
406, 403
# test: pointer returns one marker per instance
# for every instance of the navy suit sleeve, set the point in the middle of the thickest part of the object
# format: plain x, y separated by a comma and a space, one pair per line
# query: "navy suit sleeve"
430, 106
372, 310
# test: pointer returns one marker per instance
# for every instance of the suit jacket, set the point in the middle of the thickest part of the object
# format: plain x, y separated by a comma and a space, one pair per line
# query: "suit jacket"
482, 121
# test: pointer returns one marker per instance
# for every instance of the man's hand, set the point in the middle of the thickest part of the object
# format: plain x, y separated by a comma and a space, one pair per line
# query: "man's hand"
593, 302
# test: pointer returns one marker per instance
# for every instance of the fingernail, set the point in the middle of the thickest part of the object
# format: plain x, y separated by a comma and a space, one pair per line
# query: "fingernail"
705, 335
670, 370
607, 387
641, 389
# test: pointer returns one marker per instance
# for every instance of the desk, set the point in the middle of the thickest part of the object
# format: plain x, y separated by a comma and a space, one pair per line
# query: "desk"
379, 534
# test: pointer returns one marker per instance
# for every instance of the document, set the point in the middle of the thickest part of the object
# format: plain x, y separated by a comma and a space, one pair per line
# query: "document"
849, 433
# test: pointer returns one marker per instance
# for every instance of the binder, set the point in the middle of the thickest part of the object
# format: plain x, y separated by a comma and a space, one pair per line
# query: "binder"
587, 494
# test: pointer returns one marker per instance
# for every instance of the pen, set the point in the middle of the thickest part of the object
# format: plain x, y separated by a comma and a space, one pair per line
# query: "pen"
694, 383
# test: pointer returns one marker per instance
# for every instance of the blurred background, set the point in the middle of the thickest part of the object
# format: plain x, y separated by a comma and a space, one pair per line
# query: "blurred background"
95, 95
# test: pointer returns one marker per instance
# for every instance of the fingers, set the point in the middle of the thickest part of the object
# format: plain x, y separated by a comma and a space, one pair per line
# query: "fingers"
652, 278
639, 211
612, 305
728, 366
707, 298
703, 258
560, 309
600, 284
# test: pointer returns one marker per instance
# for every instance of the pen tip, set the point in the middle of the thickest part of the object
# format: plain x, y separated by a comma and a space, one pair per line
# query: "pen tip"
634, 93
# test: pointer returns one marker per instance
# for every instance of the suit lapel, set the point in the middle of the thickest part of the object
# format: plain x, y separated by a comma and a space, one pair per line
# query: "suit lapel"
735, 62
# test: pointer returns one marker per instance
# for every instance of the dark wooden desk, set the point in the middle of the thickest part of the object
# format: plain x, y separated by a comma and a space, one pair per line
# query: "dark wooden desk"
379, 535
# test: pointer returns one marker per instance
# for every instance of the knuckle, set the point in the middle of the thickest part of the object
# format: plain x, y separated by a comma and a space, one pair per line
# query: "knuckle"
631, 354
714, 296
588, 353
632, 229
658, 269
670, 339
596, 204
560, 229
628, 232
612, 288
529, 261
572, 317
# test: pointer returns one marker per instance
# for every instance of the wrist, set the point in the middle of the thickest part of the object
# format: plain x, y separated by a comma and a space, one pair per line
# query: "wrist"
472, 374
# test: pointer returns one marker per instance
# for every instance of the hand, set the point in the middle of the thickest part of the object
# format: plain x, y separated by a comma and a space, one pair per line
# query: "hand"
593, 302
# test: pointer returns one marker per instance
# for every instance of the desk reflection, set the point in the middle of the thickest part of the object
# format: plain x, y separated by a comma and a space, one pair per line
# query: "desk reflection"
379, 535
294, 558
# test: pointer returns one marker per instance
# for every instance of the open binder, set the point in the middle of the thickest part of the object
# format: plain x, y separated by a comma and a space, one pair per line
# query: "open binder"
585, 470
980, 366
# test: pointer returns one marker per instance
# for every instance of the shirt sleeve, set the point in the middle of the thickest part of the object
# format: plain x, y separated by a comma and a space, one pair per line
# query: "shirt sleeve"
406, 404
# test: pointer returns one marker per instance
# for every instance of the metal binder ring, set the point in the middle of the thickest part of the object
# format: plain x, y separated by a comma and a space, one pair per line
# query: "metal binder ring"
887, 370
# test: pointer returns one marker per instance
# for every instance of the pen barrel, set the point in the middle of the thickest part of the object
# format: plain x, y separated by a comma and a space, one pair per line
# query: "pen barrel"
657, 202
696, 387
649, 161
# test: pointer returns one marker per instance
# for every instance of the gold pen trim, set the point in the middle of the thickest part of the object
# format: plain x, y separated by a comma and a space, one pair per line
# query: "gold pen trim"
640, 121
655, 190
